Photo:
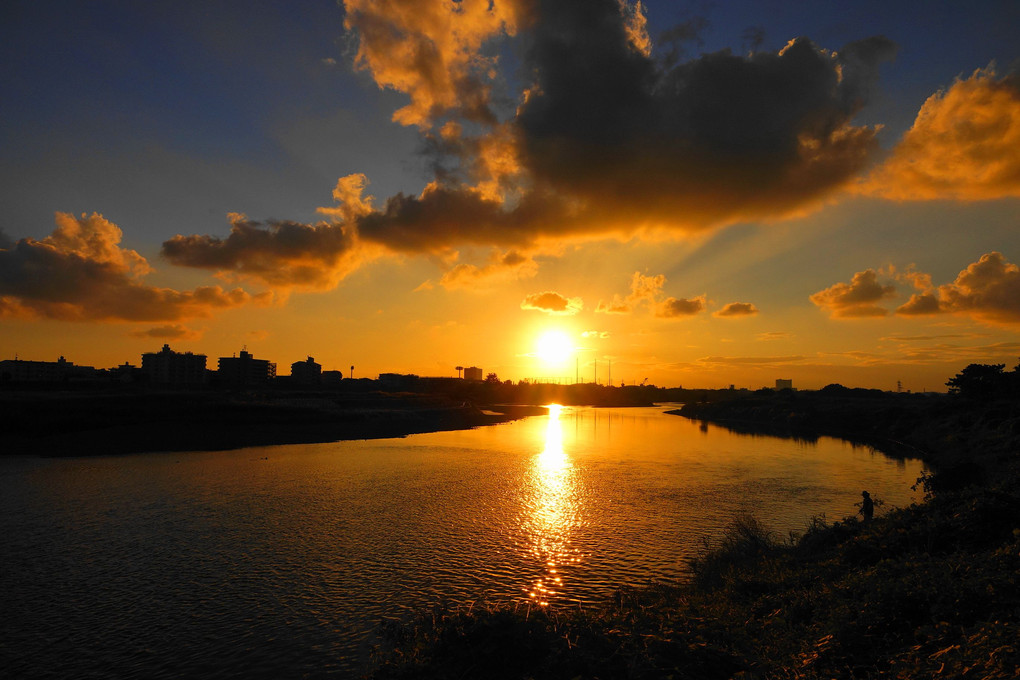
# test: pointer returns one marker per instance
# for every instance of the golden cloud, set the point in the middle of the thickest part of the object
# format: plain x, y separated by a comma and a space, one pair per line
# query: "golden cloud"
507, 266
642, 289
615, 306
635, 25
80, 273
857, 299
431, 51
169, 332
920, 304
773, 335
348, 195
671, 307
552, 302
750, 361
963, 145
647, 290
736, 309
988, 290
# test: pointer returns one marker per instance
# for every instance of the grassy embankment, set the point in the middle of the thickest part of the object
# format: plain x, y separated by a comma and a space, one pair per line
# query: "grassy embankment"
921, 592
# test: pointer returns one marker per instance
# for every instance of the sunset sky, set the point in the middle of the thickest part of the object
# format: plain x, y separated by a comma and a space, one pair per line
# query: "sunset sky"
701, 193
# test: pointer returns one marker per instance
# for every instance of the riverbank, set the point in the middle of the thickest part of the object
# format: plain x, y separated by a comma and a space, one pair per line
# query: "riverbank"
964, 441
920, 592
82, 424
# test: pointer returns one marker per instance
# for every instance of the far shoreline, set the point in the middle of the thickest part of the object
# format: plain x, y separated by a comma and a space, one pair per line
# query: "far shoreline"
71, 425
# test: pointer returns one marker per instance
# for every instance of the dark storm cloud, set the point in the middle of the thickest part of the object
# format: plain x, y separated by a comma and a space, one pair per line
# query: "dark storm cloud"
673, 41
718, 138
752, 38
608, 141
445, 217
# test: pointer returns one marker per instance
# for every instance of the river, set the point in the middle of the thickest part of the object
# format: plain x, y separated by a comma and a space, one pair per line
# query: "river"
283, 561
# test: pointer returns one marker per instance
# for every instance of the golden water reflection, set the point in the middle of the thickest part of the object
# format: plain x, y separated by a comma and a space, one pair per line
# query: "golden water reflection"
554, 512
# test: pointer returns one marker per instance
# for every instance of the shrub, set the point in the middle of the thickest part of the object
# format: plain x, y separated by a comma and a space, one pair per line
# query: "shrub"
745, 541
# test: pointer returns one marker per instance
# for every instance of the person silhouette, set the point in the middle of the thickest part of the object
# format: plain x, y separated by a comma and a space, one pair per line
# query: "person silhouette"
867, 506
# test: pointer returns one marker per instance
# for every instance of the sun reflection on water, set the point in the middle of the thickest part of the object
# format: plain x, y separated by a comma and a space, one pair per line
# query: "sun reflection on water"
554, 512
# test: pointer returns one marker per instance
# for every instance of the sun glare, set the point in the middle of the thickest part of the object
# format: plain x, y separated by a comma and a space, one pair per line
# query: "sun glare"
554, 347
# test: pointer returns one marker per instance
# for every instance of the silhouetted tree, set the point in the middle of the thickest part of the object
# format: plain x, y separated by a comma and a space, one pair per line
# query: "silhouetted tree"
492, 378
982, 381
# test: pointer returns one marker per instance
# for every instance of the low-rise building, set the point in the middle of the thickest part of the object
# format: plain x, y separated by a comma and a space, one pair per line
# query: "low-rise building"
125, 373
61, 370
331, 378
306, 372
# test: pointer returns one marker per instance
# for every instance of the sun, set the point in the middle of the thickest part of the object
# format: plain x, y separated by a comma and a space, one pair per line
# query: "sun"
553, 347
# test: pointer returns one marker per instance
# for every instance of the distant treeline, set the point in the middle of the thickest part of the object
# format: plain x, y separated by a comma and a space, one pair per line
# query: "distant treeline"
486, 392
967, 434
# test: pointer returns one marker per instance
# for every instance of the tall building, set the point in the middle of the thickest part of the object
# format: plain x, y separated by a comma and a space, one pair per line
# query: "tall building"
473, 373
167, 367
784, 384
306, 372
244, 370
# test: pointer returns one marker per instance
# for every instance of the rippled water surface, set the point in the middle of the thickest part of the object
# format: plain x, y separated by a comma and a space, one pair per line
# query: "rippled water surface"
282, 561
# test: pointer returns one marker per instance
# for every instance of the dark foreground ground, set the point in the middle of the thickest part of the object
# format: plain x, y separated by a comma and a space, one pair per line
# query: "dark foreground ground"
929, 591
89, 423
